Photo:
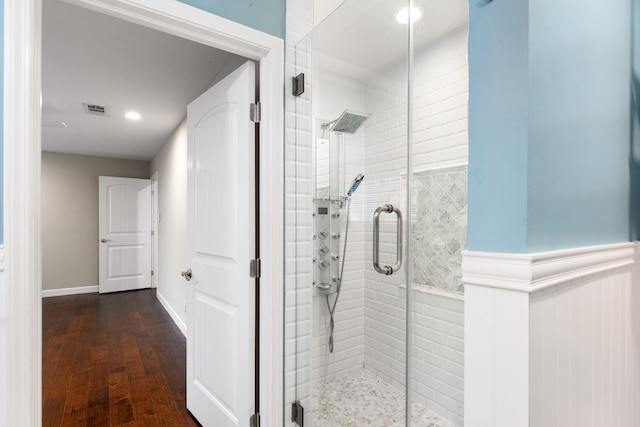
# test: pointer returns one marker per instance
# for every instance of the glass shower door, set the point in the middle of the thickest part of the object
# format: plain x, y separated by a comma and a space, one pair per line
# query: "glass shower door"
377, 219
359, 132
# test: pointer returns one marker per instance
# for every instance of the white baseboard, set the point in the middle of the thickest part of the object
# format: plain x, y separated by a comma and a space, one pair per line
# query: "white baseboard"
176, 319
46, 293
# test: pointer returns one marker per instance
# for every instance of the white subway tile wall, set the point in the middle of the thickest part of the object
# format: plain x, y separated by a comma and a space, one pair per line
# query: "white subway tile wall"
370, 315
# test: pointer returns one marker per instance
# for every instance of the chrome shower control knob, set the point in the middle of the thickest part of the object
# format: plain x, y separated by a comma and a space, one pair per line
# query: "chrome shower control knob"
322, 265
335, 257
324, 286
323, 233
335, 214
323, 250
335, 236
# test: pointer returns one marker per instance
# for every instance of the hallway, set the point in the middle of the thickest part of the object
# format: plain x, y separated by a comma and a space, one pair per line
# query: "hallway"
113, 359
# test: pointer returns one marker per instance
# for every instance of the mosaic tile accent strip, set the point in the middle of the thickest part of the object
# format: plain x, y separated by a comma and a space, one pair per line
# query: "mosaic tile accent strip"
440, 227
362, 399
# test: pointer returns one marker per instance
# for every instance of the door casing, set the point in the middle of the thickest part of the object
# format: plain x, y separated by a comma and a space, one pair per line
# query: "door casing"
20, 260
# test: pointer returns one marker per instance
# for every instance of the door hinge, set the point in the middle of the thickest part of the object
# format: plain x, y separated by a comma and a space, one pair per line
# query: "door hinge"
254, 421
153, 233
297, 413
255, 267
152, 273
297, 85
256, 112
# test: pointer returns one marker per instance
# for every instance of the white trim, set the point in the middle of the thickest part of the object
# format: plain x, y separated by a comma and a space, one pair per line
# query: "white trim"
445, 293
437, 168
22, 377
533, 272
154, 229
182, 20
4, 342
23, 275
174, 316
48, 293
498, 292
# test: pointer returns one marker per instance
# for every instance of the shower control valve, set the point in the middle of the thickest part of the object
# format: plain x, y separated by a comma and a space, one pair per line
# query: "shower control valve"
323, 264
323, 233
323, 250
324, 286
335, 236
335, 257
335, 214
335, 279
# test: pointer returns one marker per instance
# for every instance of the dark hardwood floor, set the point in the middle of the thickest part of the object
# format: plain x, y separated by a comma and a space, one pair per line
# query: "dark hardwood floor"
112, 360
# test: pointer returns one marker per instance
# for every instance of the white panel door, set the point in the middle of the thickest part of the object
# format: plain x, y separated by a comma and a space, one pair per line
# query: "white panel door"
220, 245
124, 234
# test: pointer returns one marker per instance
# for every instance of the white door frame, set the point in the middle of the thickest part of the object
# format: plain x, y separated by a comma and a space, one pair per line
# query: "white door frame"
154, 230
20, 298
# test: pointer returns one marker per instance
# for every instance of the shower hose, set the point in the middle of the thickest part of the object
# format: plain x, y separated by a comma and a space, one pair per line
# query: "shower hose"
332, 307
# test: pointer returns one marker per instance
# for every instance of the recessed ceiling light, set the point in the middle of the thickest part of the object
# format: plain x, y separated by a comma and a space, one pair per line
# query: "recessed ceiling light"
132, 115
403, 15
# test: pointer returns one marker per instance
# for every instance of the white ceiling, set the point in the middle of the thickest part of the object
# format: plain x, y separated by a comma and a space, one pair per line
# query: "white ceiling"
93, 58
362, 38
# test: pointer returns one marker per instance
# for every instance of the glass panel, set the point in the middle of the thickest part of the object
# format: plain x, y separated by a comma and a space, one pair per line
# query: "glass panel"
352, 154
439, 207
359, 126
298, 236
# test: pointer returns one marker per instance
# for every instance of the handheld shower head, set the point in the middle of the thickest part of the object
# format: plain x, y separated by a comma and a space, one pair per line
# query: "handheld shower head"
355, 184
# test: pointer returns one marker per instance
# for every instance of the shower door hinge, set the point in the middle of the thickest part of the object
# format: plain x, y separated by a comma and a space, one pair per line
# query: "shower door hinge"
254, 421
255, 112
297, 84
255, 267
297, 413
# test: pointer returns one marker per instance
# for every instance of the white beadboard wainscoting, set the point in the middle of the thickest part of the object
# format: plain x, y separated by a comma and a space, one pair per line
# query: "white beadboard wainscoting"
552, 339
4, 336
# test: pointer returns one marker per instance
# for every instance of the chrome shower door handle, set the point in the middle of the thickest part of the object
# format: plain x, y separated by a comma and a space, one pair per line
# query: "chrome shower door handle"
387, 269
186, 274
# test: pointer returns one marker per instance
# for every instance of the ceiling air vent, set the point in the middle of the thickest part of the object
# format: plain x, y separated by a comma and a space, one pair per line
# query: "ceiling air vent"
98, 110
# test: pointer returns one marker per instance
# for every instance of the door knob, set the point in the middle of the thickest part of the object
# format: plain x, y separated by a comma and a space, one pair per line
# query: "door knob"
186, 274
105, 240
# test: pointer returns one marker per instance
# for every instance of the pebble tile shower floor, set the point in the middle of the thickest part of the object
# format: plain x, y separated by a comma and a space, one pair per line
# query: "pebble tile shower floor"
362, 399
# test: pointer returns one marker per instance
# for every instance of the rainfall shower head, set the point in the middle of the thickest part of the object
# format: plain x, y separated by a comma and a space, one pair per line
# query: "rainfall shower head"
348, 122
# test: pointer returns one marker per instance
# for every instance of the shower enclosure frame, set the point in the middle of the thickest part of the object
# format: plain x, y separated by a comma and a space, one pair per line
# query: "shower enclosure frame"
306, 66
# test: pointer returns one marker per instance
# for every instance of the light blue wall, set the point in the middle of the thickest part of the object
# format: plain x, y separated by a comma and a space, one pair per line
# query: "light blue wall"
579, 125
634, 158
574, 89
498, 114
264, 15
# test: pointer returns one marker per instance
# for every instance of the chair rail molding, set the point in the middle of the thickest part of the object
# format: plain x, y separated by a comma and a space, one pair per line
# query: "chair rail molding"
534, 272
